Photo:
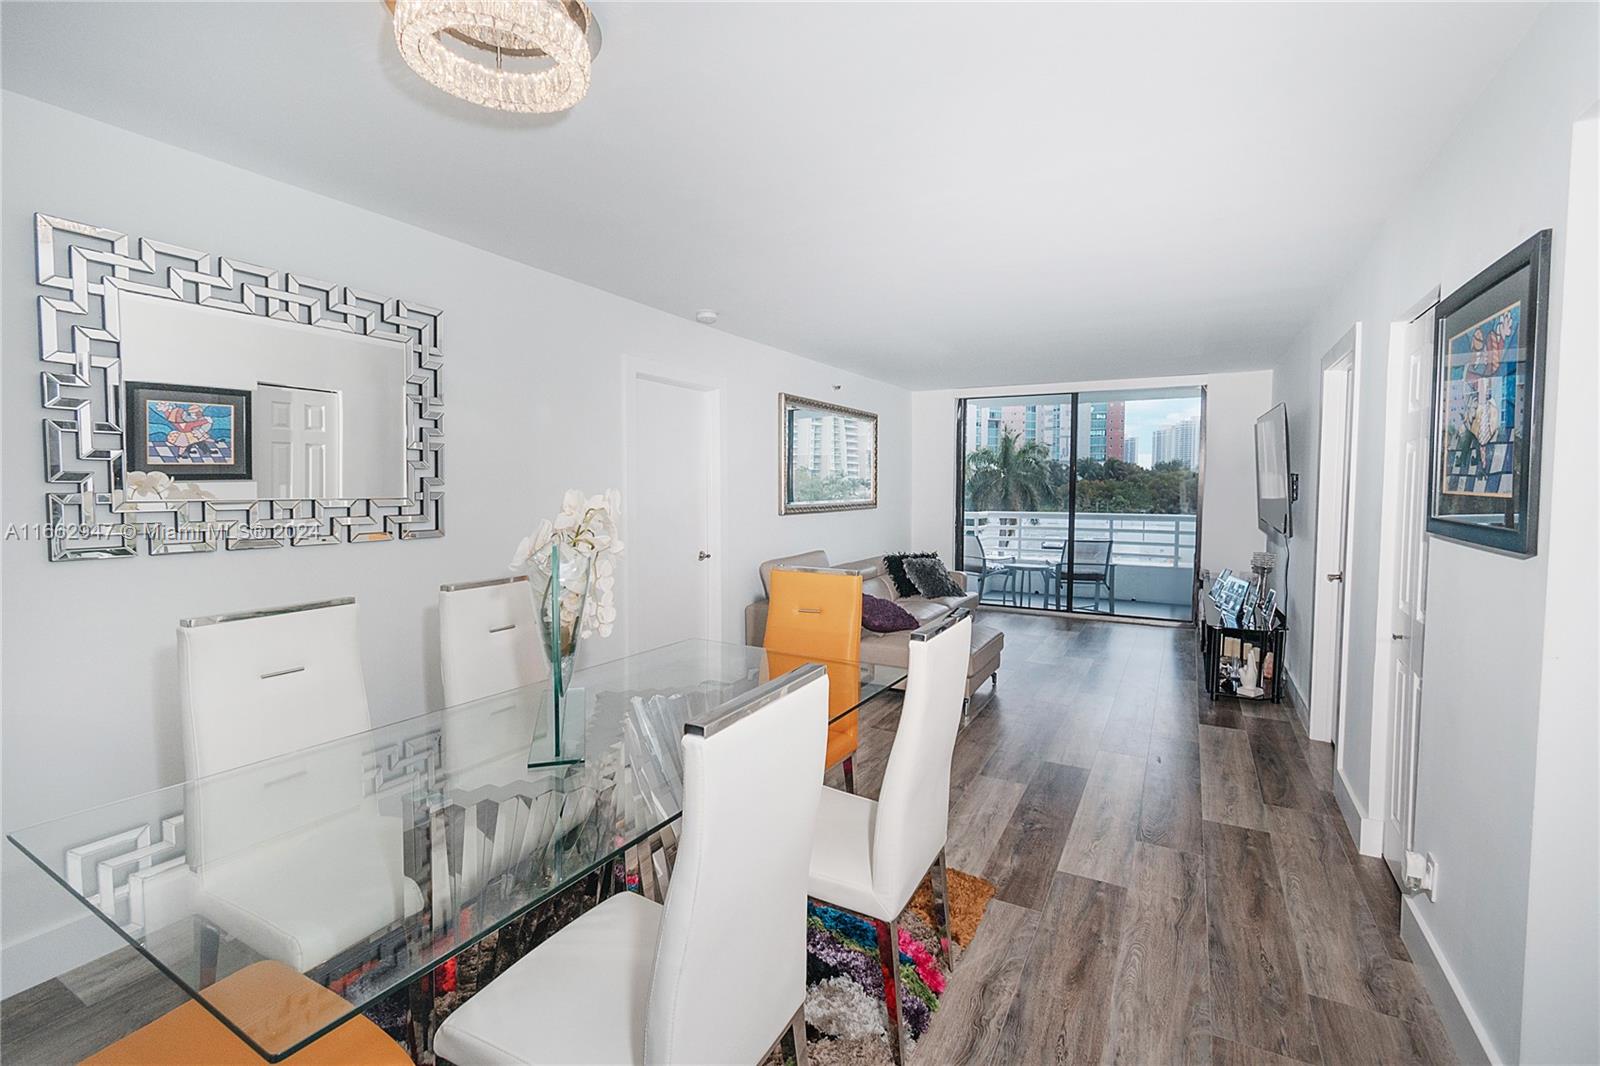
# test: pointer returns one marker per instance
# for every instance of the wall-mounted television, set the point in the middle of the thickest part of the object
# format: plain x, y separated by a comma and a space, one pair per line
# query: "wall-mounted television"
1272, 470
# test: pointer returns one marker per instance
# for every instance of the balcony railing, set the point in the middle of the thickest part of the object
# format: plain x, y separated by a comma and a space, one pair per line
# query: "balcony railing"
1156, 540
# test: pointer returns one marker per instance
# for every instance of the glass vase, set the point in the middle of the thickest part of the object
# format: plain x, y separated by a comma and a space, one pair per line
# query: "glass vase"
561, 601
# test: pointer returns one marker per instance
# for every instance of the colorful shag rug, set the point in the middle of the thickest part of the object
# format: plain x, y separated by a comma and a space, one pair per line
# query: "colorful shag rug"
845, 1014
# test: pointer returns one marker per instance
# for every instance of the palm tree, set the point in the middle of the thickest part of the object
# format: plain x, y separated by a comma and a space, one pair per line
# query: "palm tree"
1014, 476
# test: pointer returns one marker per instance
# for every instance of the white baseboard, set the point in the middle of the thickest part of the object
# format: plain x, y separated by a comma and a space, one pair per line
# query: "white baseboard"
1366, 832
1461, 1021
1302, 709
53, 951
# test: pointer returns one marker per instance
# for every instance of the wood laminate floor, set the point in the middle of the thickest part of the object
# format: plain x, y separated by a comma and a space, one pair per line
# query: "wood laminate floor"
1174, 882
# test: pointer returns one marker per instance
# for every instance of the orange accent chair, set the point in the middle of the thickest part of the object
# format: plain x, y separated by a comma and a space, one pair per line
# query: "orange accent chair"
275, 1005
816, 615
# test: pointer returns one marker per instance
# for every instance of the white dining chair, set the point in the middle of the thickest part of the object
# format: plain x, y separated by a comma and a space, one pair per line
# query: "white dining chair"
488, 639
488, 650
869, 856
717, 973
279, 825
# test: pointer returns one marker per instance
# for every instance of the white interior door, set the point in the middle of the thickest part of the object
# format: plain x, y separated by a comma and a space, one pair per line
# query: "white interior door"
1329, 629
672, 565
300, 445
1408, 609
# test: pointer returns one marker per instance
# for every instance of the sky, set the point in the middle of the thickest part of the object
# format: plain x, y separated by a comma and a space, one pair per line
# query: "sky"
1143, 417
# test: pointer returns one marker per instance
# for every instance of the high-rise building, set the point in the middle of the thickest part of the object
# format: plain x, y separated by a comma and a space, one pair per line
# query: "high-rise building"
1130, 450
1177, 442
1116, 423
983, 427
1106, 425
1055, 432
831, 445
1048, 424
1014, 420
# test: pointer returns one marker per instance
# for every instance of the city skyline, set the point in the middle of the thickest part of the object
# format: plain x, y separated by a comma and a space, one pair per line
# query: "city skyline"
829, 445
1125, 429
1177, 441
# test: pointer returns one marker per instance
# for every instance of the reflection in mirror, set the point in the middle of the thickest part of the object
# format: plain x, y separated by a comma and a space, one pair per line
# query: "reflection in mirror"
256, 408
830, 457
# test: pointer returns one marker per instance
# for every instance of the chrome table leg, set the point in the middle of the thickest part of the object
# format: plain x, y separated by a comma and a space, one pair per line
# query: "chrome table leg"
797, 1033
419, 1008
613, 874
941, 903
889, 960
210, 951
427, 863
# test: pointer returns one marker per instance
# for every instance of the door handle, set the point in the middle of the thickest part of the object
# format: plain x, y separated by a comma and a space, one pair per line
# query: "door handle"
704, 556
1397, 636
1335, 577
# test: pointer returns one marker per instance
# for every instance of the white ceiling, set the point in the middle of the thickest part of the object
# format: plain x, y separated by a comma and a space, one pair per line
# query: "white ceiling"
933, 194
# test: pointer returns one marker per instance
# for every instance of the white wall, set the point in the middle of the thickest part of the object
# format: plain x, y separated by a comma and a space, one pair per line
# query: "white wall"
1502, 176
1561, 978
532, 373
1228, 528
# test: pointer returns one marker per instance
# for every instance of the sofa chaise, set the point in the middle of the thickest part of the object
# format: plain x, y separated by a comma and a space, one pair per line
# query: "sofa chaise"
891, 649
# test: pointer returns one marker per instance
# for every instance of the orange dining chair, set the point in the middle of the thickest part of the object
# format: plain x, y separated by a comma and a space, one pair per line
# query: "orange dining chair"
275, 1005
815, 615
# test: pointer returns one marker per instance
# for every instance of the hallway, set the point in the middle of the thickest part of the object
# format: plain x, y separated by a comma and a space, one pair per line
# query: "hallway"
1175, 883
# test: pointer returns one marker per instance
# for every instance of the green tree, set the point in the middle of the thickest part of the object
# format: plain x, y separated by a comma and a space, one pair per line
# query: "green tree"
1013, 476
809, 487
1017, 476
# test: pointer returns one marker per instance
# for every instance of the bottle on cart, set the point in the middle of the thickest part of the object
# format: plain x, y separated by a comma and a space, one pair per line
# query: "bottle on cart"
1250, 674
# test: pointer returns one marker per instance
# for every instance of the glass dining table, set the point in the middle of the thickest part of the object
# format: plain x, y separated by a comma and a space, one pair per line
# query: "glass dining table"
364, 864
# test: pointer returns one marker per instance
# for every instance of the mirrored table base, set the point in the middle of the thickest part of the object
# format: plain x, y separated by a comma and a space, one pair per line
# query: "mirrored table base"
366, 863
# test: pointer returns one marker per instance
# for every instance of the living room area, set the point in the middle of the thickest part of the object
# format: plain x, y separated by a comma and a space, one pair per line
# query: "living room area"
1055, 430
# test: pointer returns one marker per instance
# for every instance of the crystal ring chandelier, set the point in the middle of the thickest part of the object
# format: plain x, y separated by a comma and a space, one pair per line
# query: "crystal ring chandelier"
550, 43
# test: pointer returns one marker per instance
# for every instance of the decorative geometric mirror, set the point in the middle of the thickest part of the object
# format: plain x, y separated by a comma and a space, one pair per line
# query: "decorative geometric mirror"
194, 401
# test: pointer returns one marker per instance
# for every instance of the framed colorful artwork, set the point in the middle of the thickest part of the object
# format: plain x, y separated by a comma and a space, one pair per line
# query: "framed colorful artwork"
190, 432
1488, 404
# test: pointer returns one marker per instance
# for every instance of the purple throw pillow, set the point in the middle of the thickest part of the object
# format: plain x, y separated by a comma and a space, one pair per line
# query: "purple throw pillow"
884, 616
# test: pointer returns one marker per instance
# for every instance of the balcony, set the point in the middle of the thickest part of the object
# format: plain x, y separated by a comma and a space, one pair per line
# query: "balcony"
1149, 572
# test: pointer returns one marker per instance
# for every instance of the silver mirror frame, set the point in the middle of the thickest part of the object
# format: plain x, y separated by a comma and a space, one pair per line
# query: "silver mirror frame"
785, 505
86, 268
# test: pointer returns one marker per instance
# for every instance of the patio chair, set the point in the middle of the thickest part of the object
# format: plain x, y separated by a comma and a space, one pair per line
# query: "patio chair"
1090, 563
975, 561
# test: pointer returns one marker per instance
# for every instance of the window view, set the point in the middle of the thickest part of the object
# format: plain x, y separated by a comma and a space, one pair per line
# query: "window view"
1083, 501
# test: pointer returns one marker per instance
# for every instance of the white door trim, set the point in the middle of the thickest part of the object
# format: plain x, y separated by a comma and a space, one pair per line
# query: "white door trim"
635, 369
1328, 694
1389, 571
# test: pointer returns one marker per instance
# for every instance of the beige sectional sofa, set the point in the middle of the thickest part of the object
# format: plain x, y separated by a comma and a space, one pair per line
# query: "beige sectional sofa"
891, 649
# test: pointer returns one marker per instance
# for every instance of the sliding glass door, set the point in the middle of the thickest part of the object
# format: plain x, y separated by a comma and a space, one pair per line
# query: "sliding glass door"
1083, 501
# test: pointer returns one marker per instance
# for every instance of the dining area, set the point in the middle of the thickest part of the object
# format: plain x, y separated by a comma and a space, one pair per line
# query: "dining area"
661, 817
385, 801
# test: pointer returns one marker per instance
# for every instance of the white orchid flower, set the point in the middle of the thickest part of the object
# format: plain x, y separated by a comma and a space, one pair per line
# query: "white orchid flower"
586, 540
521, 559
150, 485
188, 491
